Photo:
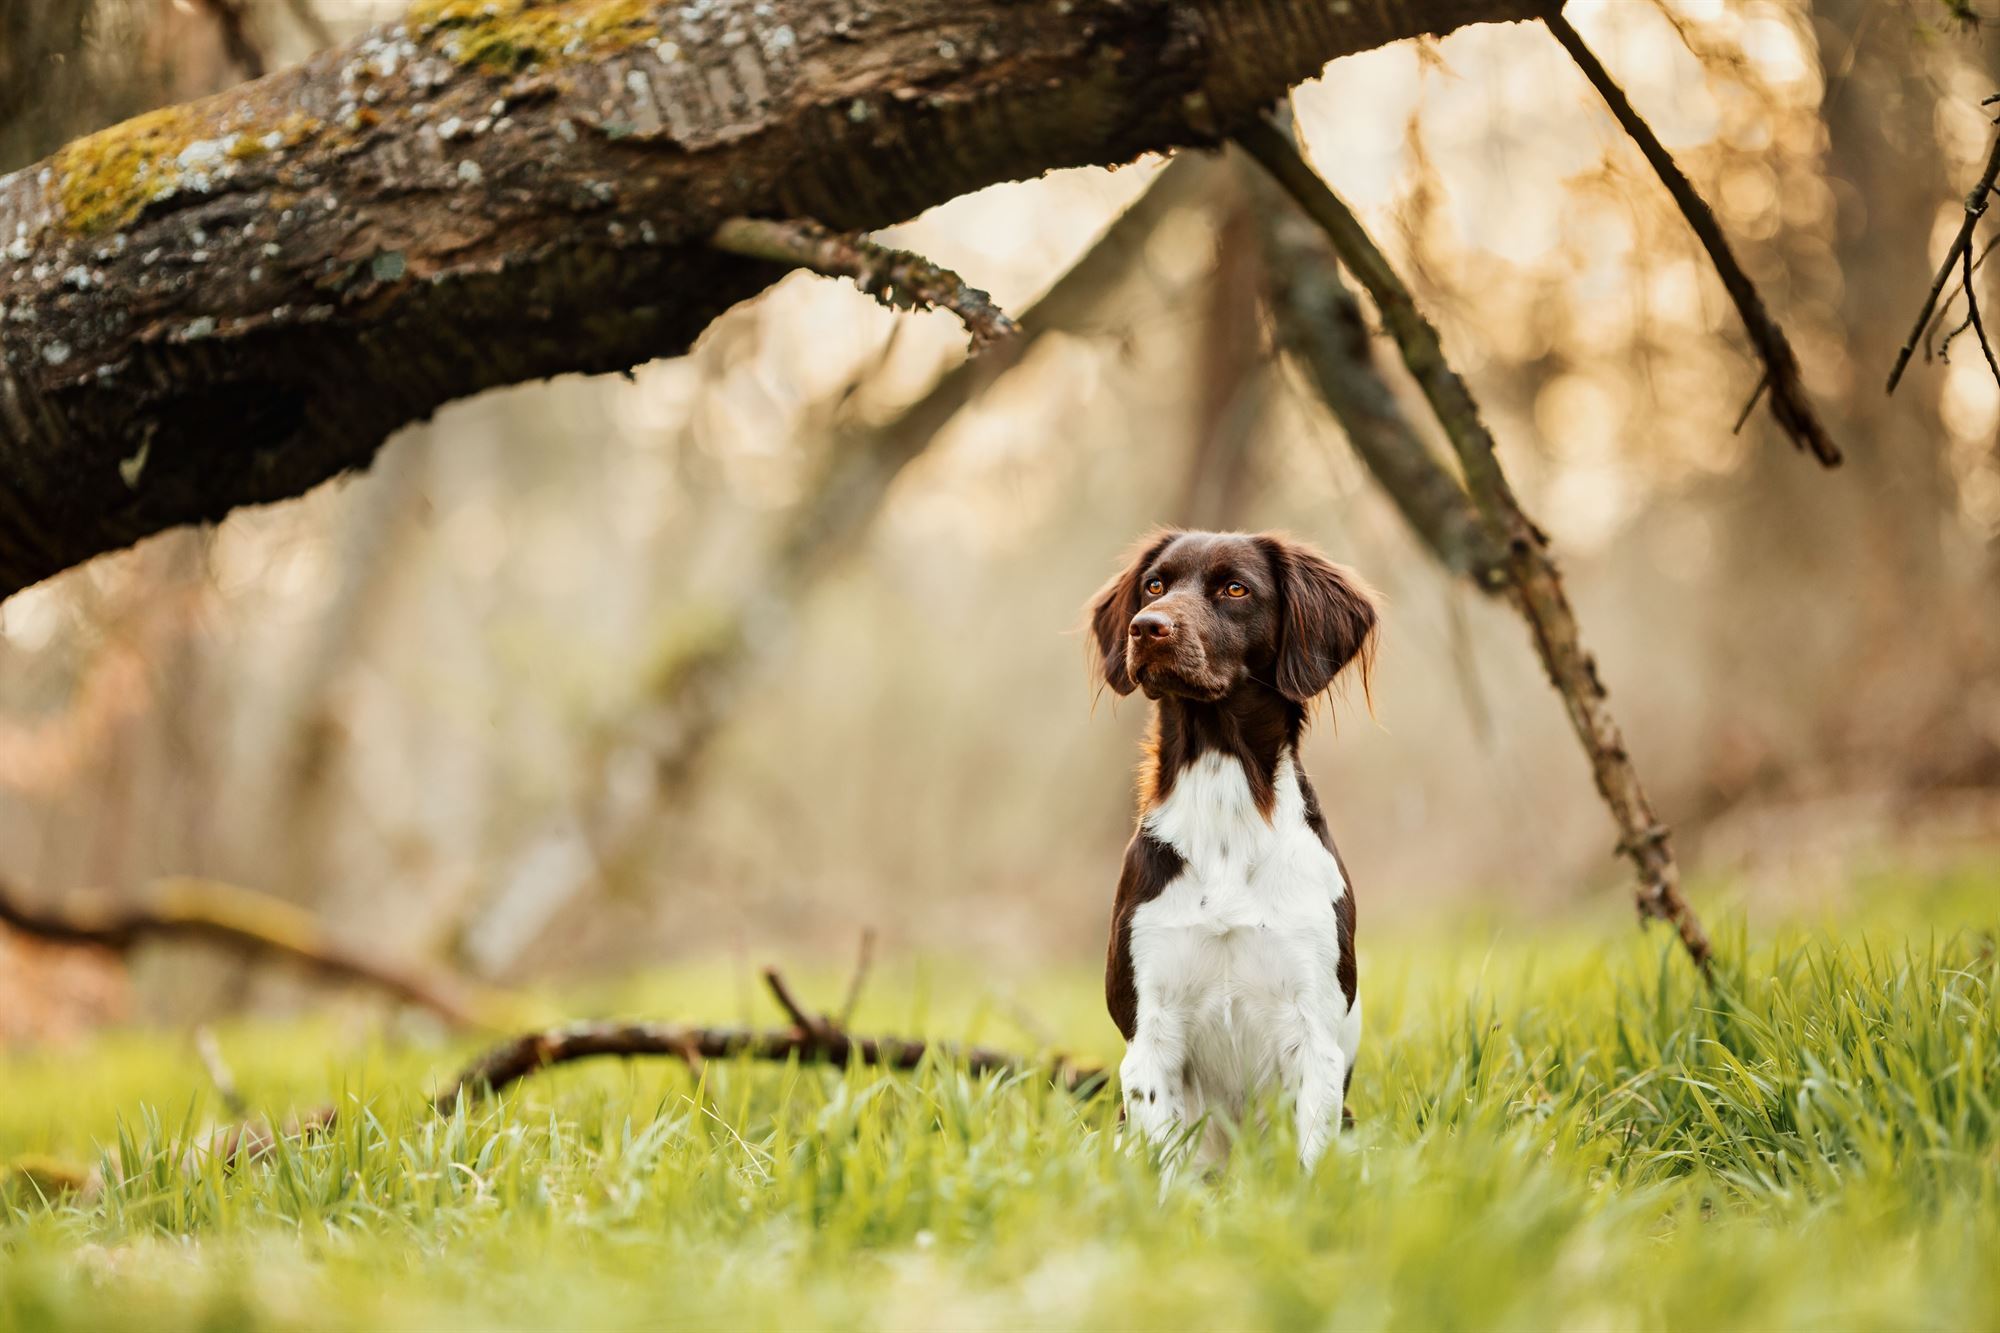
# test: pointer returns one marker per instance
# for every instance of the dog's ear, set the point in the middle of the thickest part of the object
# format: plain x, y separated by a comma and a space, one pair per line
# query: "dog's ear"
1111, 611
1326, 619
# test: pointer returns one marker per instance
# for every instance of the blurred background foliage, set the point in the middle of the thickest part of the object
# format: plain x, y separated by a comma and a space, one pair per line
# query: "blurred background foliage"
768, 643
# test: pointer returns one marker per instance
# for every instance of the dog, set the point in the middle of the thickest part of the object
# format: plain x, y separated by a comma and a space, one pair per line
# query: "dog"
1231, 963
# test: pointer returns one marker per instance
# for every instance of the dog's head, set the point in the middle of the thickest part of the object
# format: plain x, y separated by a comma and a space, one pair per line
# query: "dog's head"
1196, 614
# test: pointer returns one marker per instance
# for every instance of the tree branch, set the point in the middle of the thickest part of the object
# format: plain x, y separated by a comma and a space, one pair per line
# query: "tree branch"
1789, 402
531, 1052
819, 1029
1527, 572
1320, 324
227, 302
1972, 312
195, 909
898, 279
1961, 248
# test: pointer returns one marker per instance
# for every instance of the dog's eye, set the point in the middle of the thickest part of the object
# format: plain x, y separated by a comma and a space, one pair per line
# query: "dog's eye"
1155, 587
1235, 590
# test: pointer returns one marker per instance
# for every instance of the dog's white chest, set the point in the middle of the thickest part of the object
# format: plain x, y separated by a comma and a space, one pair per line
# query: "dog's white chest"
1240, 951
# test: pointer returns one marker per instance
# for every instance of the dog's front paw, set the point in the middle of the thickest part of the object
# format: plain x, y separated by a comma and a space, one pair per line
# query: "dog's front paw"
1155, 1101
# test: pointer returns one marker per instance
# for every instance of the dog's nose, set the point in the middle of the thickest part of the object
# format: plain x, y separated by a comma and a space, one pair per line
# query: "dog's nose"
1152, 625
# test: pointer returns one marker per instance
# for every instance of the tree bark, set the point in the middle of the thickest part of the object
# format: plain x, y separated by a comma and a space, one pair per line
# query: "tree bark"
227, 302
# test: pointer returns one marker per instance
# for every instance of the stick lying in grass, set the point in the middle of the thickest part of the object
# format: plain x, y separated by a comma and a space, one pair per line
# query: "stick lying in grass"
199, 909
812, 1039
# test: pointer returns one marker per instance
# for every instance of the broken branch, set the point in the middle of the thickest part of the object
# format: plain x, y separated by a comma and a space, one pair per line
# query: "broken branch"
819, 1029
1789, 403
897, 278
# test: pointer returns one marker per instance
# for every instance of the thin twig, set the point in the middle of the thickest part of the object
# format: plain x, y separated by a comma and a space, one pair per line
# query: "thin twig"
1750, 404
817, 1028
862, 962
1943, 352
1789, 403
526, 1054
1972, 313
896, 278
1527, 575
1944, 308
1975, 208
222, 913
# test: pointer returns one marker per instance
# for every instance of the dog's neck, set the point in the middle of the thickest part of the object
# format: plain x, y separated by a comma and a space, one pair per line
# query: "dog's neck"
1253, 724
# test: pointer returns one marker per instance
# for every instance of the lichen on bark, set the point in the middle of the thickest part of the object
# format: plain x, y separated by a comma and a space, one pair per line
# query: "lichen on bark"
105, 180
513, 36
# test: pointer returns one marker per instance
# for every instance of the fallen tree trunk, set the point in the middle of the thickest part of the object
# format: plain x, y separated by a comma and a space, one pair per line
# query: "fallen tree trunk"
227, 302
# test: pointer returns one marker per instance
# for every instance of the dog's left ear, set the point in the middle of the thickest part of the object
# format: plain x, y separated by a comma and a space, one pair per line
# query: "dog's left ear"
1326, 619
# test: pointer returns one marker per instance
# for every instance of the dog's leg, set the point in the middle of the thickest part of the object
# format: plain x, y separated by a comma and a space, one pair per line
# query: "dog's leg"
1154, 1078
1316, 1077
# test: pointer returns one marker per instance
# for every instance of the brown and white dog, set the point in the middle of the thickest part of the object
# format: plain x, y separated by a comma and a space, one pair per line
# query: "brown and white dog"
1231, 964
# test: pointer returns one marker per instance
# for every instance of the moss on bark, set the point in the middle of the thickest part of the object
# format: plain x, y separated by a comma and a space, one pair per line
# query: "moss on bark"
104, 181
509, 36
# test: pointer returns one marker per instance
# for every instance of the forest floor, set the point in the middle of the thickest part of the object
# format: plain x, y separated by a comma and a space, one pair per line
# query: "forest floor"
1558, 1129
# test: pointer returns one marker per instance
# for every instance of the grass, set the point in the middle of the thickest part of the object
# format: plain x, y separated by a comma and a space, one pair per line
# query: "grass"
1557, 1131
